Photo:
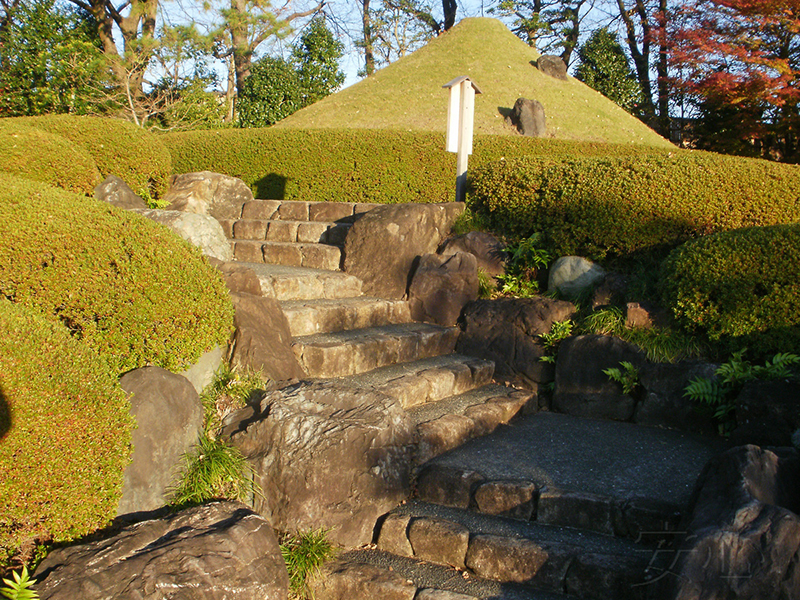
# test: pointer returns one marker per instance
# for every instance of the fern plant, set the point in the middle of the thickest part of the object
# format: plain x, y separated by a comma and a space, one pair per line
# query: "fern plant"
18, 588
559, 331
627, 376
525, 259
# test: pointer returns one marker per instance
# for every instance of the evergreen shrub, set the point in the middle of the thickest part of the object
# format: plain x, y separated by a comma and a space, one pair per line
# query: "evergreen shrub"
618, 206
66, 434
739, 287
128, 287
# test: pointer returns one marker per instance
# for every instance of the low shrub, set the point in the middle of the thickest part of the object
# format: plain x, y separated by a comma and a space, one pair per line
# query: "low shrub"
129, 288
118, 147
66, 432
46, 157
741, 288
596, 207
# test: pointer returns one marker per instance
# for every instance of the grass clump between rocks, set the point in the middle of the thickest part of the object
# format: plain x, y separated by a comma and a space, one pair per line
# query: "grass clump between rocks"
304, 554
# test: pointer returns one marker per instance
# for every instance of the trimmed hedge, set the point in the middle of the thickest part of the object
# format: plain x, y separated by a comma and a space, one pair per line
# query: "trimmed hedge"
46, 157
66, 434
740, 287
117, 147
129, 288
355, 165
616, 206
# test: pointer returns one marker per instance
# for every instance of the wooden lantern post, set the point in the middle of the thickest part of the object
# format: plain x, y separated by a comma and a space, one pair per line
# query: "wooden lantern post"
460, 116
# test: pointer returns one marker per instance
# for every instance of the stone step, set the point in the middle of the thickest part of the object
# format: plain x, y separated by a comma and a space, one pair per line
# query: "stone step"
320, 232
370, 573
313, 256
605, 476
357, 351
298, 210
588, 565
307, 317
428, 380
296, 283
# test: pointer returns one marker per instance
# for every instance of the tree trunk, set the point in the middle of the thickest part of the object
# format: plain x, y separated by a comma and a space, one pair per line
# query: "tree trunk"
369, 56
449, 8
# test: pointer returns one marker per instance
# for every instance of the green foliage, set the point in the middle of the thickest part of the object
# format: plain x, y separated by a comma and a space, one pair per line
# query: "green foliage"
304, 553
525, 259
66, 429
190, 107
18, 588
719, 394
604, 67
317, 57
117, 147
230, 390
741, 288
560, 330
271, 93
627, 376
50, 61
130, 289
468, 221
596, 207
487, 285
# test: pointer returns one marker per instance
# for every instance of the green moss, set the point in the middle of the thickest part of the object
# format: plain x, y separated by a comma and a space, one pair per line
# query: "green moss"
66, 431
130, 289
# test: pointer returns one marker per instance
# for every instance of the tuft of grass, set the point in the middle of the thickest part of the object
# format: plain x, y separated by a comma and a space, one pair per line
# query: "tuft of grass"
230, 390
304, 554
487, 286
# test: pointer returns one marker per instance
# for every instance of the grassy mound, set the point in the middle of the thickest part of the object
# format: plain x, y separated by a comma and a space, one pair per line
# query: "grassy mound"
117, 147
65, 429
46, 157
617, 206
740, 287
408, 96
129, 288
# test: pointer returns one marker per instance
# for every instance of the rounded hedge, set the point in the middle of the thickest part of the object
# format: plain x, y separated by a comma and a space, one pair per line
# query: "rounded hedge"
118, 148
129, 288
616, 206
65, 428
46, 157
740, 287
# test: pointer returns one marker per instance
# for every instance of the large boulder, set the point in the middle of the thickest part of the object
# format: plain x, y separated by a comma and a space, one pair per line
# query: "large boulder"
552, 66
383, 246
441, 286
767, 413
742, 536
507, 332
573, 276
486, 248
218, 551
115, 191
326, 455
208, 193
262, 341
528, 117
200, 230
169, 417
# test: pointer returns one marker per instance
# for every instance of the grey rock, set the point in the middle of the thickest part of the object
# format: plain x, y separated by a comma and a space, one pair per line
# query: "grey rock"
486, 248
573, 276
432, 594
442, 286
552, 66
200, 230
345, 579
506, 559
115, 191
239, 278
528, 117
218, 551
393, 535
169, 417
383, 247
327, 455
447, 486
201, 373
767, 412
513, 499
437, 540
208, 193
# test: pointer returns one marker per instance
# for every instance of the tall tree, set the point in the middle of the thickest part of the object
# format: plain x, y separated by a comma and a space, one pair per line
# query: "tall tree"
316, 57
603, 66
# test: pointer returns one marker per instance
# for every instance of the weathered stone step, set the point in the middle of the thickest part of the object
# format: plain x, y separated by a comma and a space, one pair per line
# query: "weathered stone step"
295, 283
370, 573
357, 351
320, 232
429, 380
308, 317
614, 478
298, 210
313, 256
588, 565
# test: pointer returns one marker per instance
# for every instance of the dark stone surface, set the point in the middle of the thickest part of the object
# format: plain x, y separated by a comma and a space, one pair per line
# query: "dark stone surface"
262, 341
552, 66
218, 551
767, 413
506, 331
383, 246
115, 191
169, 417
442, 286
486, 248
439, 541
208, 193
345, 579
528, 117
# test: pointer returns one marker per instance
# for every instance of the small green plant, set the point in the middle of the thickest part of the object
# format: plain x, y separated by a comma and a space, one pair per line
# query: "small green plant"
487, 286
231, 389
627, 376
304, 553
18, 588
719, 394
526, 258
605, 321
559, 330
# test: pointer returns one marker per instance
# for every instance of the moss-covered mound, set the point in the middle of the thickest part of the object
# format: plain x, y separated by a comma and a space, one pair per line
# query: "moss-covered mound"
127, 287
47, 157
616, 206
65, 433
117, 147
740, 287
